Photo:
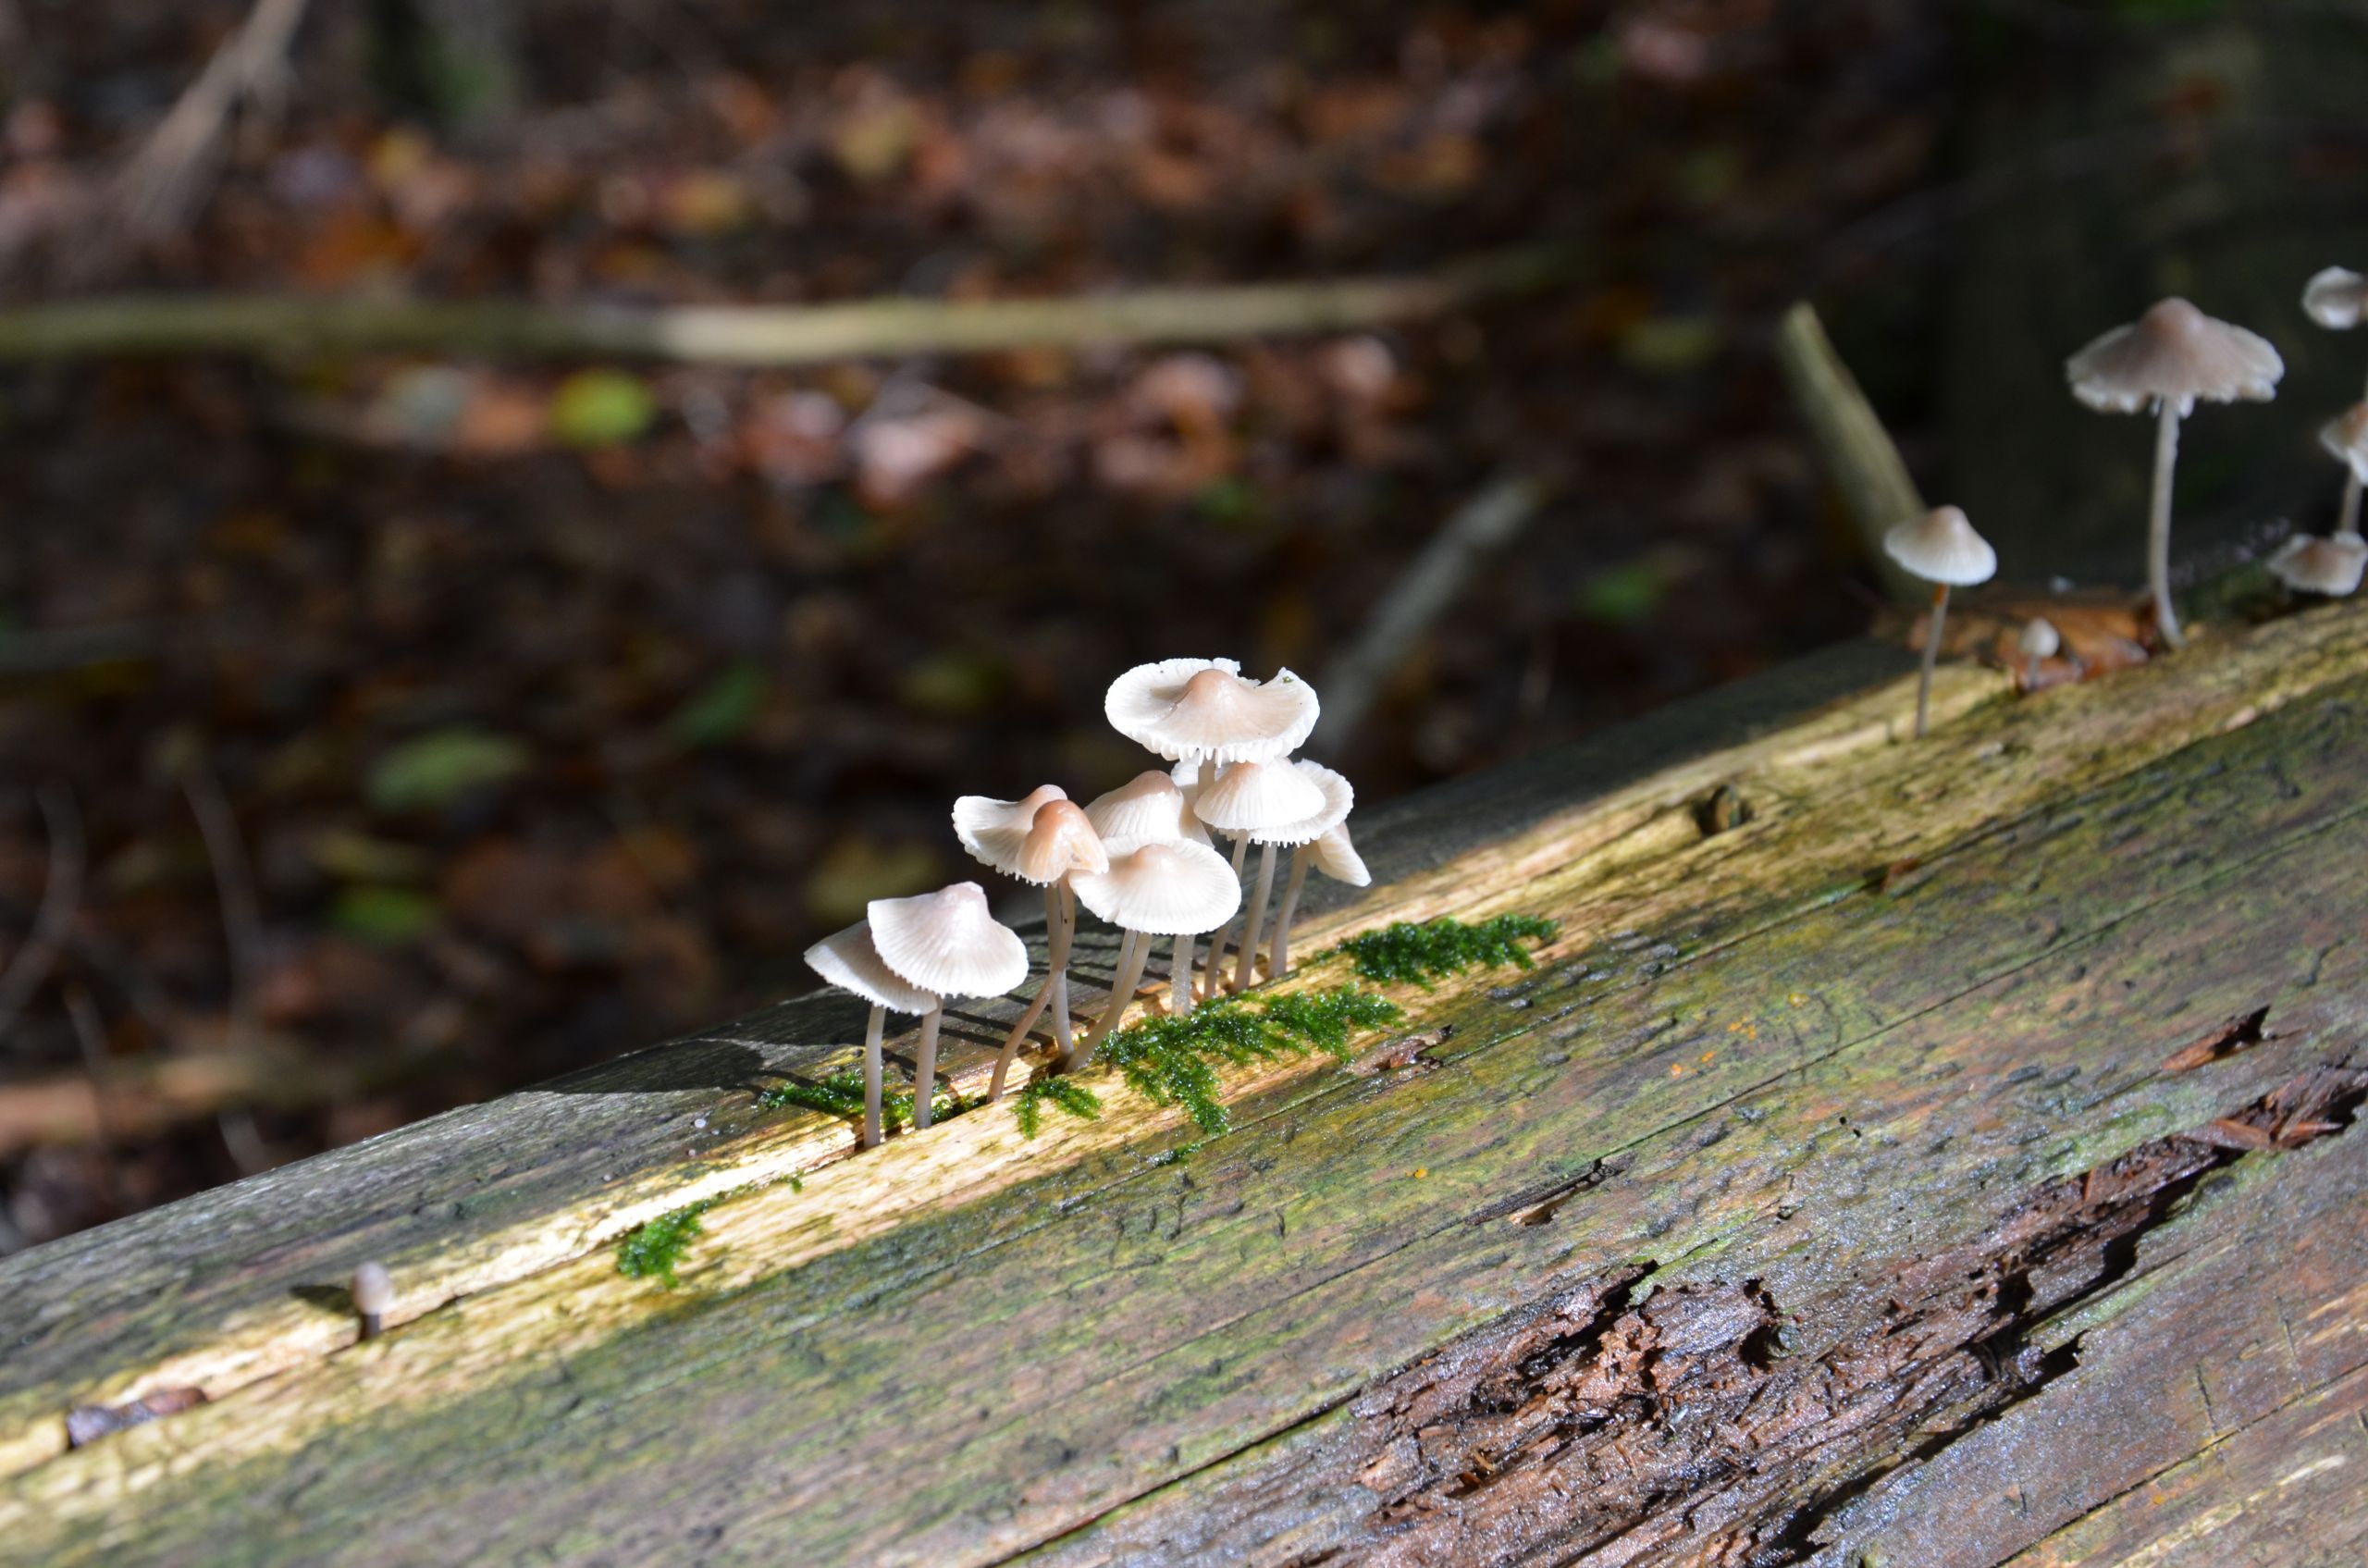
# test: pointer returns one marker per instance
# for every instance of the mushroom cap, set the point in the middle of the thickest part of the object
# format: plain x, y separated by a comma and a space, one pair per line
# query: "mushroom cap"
2337, 297
1940, 547
1061, 841
2173, 353
2314, 566
1182, 707
373, 1289
1165, 887
1251, 798
2039, 638
850, 961
1339, 797
1338, 858
992, 831
2346, 439
947, 942
1150, 805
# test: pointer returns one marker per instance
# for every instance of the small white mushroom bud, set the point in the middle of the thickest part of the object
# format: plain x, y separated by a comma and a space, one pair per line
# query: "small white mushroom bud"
374, 1297
2039, 639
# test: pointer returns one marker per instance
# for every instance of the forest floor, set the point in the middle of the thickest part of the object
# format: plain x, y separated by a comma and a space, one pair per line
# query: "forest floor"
421, 730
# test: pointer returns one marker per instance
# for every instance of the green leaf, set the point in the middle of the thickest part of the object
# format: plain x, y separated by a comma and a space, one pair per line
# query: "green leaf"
721, 712
602, 408
388, 916
431, 770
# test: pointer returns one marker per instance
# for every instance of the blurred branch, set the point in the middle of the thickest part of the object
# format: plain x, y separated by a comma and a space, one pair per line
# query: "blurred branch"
61, 896
770, 335
157, 189
1444, 568
1857, 452
140, 1099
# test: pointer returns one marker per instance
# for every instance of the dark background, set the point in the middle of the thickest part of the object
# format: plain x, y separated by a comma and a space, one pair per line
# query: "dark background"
432, 725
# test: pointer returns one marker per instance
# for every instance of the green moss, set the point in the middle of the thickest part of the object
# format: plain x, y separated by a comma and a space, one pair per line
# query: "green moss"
1066, 1092
841, 1095
1175, 1061
1421, 953
656, 1248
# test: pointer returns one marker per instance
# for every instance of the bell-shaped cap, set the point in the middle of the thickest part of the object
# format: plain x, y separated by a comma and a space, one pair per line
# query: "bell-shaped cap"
2039, 639
1151, 805
946, 942
1061, 841
373, 1289
1166, 887
2346, 439
992, 831
1940, 547
1339, 798
2173, 353
1205, 708
1336, 858
2336, 298
850, 961
1251, 797
2314, 566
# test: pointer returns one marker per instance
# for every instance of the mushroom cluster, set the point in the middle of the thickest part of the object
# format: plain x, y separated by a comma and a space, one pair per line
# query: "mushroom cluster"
1140, 858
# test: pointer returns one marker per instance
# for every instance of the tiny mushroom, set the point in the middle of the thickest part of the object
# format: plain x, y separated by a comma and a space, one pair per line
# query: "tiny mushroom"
1040, 839
1941, 548
2039, 639
948, 943
2346, 440
2169, 357
1154, 806
1331, 853
2330, 567
1254, 802
1338, 798
1165, 887
851, 961
2336, 298
374, 1297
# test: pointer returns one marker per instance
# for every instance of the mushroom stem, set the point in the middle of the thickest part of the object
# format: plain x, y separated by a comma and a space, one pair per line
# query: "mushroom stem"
1931, 656
1256, 918
372, 1324
2158, 524
871, 1075
1179, 966
925, 1066
1280, 964
1055, 963
1132, 950
1061, 1034
2348, 520
1211, 979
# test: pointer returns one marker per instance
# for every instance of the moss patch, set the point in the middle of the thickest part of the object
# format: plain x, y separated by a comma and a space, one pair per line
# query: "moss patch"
655, 1249
1408, 953
841, 1095
1175, 1061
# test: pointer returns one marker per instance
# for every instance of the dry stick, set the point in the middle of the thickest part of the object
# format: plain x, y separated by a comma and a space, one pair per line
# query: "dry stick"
1279, 964
234, 886
1859, 455
925, 1066
765, 334
1472, 534
157, 189
61, 896
1249, 962
2158, 523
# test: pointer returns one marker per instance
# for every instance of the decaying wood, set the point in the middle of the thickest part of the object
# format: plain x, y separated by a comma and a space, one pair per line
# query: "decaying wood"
287, 327
1951, 1161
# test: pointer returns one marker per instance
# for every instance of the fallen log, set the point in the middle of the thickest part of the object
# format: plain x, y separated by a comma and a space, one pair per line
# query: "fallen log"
1949, 1159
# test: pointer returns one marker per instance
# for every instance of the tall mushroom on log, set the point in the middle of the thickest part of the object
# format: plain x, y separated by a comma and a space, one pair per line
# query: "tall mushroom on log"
851, 961
2168, 358
1338, 799
1943, 549
1255, 802
1040, 839
2346, 440
948, 942
1331, 853
1164, 888
1206, 713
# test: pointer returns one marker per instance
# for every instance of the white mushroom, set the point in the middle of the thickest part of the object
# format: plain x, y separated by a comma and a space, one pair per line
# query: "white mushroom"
2169, 357
374, 1297
1169, 887
2311, 566
1153, 805
1328, 850
1207, 708
2039, 640
1249, 801
948, 942
1943, 549
852, 962
2346, 440
1040, 839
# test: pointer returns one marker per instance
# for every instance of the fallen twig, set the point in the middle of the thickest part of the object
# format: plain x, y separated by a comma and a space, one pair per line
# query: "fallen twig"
155, 325
61, 896
1857, 452
160, 185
